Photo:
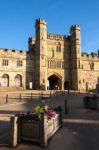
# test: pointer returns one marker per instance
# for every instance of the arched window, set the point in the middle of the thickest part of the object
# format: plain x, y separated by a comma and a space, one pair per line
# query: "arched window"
48, 64
83, 80
5, 62
82, 66
5, 80
53, 64
62, 65
52, 53
91, 66
79, 64
18, 80
19, 63
58, 47
57, 64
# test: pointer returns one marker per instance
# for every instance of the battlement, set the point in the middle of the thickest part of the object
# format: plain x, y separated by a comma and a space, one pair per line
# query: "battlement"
13, 50
75, 27
91, 55
31, 40
55, 36
40, 21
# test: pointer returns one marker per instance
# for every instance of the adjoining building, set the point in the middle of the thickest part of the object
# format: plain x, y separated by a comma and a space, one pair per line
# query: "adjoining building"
53, 61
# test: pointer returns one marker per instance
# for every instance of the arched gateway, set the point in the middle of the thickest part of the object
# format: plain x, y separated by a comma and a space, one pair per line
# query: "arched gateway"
54, 82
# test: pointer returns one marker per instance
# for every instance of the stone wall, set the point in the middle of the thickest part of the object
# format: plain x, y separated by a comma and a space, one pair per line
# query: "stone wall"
14, 67
90, 71
50, 54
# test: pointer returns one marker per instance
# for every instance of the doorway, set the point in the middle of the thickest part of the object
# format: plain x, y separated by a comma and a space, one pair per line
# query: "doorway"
54, 83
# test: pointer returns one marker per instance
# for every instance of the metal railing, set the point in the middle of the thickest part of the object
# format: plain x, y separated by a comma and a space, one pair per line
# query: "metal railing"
9, 98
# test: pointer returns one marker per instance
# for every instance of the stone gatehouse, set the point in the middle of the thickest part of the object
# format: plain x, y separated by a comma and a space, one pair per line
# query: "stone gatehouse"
52, 61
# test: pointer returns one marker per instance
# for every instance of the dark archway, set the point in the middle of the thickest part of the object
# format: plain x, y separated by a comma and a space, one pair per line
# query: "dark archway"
66, 85
18, 80
54, 82
5, 82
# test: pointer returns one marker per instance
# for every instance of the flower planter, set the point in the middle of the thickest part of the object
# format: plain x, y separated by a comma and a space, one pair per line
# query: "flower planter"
86, 101
90, 102
36, 130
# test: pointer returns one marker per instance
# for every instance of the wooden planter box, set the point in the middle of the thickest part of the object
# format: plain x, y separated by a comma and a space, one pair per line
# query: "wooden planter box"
40, 130
90, 102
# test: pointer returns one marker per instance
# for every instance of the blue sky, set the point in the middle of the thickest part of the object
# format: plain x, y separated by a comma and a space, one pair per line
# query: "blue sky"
17, 20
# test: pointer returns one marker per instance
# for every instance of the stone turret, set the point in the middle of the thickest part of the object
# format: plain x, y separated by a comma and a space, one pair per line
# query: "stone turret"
41, 52
75, 41
76, 55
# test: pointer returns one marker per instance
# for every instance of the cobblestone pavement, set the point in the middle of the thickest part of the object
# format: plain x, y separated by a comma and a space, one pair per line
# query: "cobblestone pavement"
80, 126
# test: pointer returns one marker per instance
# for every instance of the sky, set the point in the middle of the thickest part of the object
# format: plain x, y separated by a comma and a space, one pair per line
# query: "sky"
17, 21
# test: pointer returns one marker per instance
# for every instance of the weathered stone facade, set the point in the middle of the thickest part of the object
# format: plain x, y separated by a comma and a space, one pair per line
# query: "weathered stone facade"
16, 69
52, 62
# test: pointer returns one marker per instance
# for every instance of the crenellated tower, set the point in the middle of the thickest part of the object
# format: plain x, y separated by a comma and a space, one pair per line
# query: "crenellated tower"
75, 56
41, 54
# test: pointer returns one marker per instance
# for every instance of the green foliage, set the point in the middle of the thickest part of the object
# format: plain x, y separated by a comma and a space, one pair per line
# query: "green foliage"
38, 109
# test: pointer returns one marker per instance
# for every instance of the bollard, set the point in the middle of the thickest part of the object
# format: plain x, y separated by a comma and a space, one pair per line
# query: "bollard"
66, 107
62, 93
42, 95
57, 93
31, 96
13, 132
6, 98
68, 91
20, 98
50, 95
39, 95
